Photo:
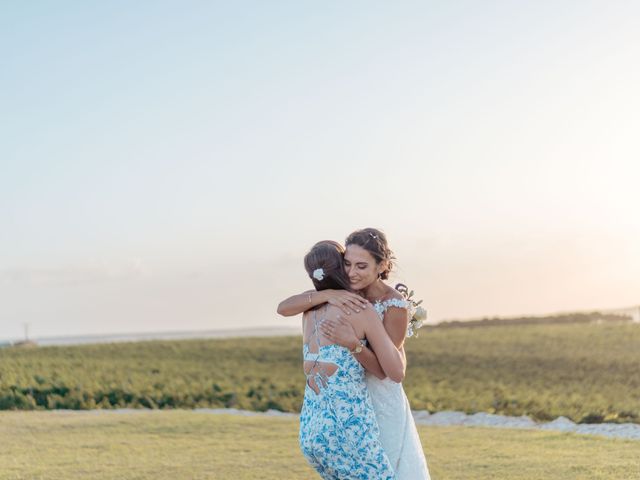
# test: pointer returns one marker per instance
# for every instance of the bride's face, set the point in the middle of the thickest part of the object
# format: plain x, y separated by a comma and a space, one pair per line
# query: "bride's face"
361, 267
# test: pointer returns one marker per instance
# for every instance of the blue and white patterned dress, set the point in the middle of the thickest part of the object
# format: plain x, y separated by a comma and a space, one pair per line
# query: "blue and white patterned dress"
339, 434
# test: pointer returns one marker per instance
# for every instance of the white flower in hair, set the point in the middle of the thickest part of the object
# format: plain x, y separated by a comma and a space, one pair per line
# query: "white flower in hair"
318, 274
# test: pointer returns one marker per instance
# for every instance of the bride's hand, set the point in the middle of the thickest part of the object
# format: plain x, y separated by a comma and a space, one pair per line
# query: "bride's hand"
346, 301
341, 332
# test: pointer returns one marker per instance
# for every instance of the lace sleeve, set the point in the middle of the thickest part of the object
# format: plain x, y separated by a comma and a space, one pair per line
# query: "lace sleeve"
381, 307
395, 302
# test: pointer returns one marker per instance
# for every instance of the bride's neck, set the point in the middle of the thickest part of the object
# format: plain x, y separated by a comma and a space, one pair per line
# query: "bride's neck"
375, 291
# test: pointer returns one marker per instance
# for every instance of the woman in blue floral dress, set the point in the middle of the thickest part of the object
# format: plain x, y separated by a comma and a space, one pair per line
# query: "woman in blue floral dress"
339, 435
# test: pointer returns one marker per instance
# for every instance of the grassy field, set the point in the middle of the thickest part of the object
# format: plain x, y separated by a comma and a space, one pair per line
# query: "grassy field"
188, 445
587, 372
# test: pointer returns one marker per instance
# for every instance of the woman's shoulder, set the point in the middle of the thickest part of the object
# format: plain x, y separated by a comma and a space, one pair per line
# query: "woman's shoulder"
393, 298
393, 293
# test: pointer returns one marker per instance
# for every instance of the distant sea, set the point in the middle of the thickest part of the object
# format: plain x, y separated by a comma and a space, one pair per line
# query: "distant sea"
632, 313
138, 337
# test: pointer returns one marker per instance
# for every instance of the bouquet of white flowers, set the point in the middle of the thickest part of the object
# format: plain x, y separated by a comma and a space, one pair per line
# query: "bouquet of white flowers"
418, 313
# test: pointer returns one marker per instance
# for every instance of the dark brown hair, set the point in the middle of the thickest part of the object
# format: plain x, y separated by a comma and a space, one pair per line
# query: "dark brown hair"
373, 241
327, 255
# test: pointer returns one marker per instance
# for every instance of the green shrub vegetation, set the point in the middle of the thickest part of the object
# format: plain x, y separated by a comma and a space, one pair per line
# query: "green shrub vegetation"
587, 372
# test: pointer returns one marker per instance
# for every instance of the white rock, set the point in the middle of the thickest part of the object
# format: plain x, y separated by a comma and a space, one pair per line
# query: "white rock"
420, 415
623, 430
491, 420
445, 418
561, 424
278, 413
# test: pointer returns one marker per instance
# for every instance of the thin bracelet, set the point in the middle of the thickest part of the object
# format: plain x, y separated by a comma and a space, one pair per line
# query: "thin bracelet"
310, 297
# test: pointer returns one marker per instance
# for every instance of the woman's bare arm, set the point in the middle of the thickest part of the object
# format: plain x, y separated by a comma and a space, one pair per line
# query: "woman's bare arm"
390, 357
343, 299
369, 361
300, 303
396, 321
341, 332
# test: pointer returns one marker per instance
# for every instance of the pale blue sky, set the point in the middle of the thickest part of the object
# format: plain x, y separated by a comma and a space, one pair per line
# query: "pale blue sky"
165, 165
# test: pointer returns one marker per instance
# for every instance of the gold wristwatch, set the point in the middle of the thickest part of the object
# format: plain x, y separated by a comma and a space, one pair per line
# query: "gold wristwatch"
358, 347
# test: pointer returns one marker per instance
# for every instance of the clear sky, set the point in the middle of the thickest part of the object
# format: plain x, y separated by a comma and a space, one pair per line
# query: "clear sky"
166, 165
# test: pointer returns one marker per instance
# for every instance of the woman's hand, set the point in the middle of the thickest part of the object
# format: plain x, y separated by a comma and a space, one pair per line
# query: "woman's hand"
341, 332
346, 301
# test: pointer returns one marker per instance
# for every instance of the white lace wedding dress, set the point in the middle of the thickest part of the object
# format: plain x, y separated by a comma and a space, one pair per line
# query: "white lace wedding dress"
398, 433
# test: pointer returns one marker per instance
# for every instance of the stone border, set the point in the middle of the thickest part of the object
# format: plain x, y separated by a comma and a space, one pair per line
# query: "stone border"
629, 431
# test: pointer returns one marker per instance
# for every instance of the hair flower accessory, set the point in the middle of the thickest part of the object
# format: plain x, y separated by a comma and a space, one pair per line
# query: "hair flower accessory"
318, 274
418, 313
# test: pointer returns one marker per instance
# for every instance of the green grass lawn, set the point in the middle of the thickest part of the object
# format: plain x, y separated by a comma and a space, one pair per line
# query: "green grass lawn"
188, 445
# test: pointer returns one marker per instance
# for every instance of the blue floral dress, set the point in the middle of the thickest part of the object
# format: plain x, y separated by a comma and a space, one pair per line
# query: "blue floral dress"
339, 434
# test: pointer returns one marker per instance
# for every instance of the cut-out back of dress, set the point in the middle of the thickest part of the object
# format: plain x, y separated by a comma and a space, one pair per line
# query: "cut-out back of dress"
318, 365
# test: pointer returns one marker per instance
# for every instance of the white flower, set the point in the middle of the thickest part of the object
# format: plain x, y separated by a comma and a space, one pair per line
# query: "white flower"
318, 274
420, 314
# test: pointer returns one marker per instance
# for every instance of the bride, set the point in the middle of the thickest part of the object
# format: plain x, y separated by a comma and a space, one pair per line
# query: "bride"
368, 261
